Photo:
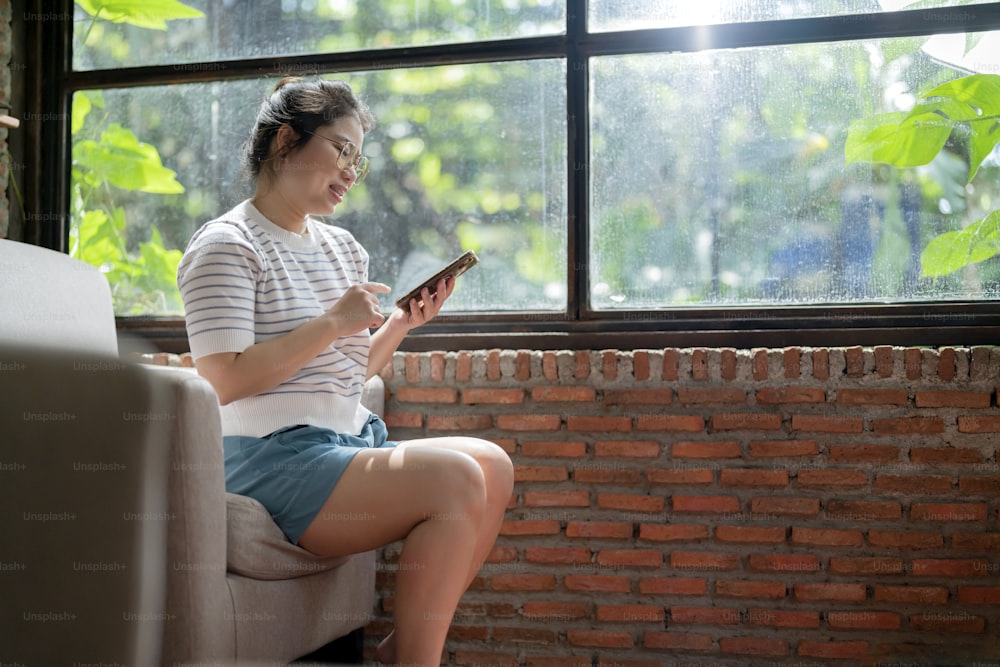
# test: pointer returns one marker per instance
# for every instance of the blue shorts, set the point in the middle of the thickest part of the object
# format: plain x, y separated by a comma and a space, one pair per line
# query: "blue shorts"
292, 471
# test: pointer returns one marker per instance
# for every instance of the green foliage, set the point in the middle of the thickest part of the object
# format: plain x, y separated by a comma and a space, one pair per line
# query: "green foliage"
967, 108
142, 277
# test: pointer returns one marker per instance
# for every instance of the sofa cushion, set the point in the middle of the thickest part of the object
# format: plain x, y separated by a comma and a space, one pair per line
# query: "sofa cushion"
257, 548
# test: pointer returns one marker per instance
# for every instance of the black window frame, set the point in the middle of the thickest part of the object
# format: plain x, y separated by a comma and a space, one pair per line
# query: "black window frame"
50, 87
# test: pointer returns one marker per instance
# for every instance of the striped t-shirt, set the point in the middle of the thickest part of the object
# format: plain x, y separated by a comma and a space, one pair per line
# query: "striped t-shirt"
245, 280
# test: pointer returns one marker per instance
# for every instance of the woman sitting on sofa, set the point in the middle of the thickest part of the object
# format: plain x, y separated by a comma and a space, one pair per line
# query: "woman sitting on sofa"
278, 308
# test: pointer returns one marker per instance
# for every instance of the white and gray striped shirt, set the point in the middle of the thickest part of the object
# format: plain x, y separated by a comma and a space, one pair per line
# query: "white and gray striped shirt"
245, 280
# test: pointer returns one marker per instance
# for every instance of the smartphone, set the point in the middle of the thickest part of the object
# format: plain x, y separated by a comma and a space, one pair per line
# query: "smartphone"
463, 263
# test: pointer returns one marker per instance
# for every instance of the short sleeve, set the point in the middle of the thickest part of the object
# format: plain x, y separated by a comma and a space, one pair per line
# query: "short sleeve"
217, 278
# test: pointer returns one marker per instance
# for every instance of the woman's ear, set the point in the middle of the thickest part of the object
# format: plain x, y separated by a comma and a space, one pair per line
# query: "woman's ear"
284, 139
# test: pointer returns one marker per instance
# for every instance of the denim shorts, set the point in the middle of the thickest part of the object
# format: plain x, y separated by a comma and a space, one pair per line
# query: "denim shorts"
292, 471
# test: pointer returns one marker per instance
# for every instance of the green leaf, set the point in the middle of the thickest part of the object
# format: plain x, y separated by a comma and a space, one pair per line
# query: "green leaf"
152, 14
125, 162
81, 107
981, 91
985, 136
951, 251
902, 140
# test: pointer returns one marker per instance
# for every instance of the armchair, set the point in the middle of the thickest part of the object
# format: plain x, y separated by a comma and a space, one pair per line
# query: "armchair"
203, 574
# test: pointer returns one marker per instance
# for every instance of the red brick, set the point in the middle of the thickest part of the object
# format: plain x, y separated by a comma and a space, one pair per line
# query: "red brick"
529, 527
962, 621
404, 420
463, 366
529, 422
741, 588
558, 555
827, 424
980, 485
677, 641
855, 357
833, 592
976, 541
673, 532
783, 448
706, 504
883, 360
727, 364
581, 361
523, 582
500, 554
784, 506
638, 396
784, 395
753, 646
492, 396
609, 364
640, 365
704, 560
645, 449
679, 475
862, 619
631, 502
913, 484
946, 363
554, 611
629, 558
856, 650
631, 613
550, 366
670, 423
952, 567
953, 399
750, 534
905, 539
793, 563
533, 635
522, 366
758, 365
547, 448
948, 512
540, 473
467, 633
672, 586
866, 565
791, 360
754, 477
599, 424
979, 594
938, 455
918, 595
669, 370
776, 618
863, 453
863, 510
412, 364
746, 421
476, 658
557, 499
459, 422
612, 530
821, 364
872, 397
826, 537
605, 474
563, 394
598, 583
832, 478
699, 395
725, 449
705, 615
979, 424
904, 425
913, 362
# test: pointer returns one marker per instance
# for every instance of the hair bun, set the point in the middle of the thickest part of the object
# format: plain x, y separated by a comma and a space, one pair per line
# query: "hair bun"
287, 80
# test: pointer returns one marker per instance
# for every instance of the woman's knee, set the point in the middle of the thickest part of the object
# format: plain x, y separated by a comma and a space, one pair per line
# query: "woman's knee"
458, 487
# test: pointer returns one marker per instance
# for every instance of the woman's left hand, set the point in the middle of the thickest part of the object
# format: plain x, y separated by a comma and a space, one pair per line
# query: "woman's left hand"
423, 310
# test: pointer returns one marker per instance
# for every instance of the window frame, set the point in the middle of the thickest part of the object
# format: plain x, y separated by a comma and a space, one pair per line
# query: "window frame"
51, 86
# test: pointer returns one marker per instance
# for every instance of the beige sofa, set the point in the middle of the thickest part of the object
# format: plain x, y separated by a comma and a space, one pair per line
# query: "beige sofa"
159, 564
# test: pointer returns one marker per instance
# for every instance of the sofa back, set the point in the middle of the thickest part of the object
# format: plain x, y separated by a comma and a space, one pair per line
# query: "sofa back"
50, 300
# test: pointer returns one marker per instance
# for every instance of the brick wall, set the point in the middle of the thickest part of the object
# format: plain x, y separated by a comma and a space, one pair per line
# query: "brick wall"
725, 507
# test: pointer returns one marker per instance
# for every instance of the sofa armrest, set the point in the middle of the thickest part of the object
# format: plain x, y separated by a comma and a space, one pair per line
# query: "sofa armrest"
373, 395
198, 604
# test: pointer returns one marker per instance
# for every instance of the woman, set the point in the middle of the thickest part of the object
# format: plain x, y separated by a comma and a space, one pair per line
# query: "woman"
278, 308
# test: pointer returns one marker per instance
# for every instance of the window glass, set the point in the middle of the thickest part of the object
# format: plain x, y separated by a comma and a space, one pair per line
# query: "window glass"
463, 157
720, 177
196, 31
610, 15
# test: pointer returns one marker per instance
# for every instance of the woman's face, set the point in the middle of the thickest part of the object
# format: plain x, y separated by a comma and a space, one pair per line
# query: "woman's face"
310, 179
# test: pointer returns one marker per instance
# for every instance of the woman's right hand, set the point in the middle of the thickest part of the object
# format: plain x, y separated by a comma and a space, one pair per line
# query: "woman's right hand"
358, 308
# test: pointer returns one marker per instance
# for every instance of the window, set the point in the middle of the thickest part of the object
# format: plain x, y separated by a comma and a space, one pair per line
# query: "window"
662, 171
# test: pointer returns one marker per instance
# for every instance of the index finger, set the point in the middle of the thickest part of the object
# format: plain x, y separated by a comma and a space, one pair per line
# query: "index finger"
376, 287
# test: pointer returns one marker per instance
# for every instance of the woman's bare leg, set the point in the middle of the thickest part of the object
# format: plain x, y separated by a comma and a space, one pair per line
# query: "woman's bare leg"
434, 499
499, 477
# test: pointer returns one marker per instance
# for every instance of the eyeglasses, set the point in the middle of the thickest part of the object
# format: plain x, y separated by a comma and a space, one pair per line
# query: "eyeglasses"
350, 157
